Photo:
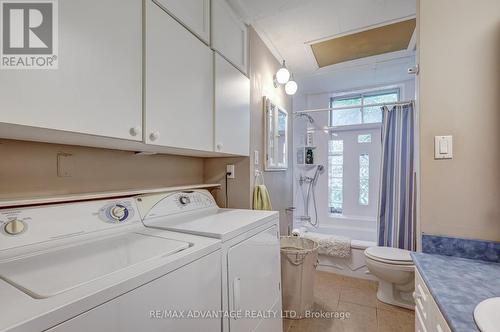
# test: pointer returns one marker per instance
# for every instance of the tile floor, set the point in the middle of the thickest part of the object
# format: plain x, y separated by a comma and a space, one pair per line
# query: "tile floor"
333, 292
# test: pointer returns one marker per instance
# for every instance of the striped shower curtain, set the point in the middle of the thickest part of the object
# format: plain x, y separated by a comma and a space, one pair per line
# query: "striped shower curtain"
396, 206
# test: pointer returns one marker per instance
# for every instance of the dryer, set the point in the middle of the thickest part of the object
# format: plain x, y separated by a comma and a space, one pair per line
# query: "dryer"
250, 256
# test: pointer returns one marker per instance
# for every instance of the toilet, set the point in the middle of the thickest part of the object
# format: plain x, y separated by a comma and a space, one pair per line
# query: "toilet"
396, 273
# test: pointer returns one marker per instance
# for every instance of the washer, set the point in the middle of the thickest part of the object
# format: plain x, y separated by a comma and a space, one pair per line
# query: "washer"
251, 291
93, 266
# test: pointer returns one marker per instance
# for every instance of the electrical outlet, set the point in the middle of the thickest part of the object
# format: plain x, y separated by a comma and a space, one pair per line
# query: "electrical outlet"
230, 171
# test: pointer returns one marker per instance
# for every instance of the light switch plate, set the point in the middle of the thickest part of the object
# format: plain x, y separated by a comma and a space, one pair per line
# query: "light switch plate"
256, 157
443, 147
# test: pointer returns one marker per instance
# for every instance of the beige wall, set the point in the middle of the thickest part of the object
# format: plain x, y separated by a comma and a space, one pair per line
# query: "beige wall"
263, 66
238, 188
30, 169
459, 84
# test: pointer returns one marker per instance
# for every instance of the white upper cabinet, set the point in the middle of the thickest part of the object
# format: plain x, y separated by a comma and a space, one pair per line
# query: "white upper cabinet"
178, 84
229, 35
232, 109
97, 87
194, 14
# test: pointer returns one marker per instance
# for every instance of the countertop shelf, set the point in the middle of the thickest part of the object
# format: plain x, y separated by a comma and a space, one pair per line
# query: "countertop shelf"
99, 195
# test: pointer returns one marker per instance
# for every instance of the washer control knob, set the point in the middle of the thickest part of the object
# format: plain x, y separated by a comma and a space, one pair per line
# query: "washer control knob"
118, 212
14, 227
184, 200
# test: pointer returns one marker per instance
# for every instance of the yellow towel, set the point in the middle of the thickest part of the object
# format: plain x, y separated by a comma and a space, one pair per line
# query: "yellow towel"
261, 199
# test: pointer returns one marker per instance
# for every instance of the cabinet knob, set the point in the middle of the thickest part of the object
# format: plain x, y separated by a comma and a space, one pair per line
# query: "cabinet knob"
154, 135
219, 146
135, 131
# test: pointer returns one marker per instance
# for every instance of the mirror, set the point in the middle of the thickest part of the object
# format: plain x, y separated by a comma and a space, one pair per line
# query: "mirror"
276, 140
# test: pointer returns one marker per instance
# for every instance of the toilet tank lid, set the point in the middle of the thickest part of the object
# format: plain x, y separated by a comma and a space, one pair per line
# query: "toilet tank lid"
387, 253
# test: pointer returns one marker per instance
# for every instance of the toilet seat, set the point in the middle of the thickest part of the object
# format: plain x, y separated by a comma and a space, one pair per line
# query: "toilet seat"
389, 255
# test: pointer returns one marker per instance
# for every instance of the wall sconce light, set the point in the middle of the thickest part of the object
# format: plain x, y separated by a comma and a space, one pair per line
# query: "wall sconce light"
291, 87
282, 76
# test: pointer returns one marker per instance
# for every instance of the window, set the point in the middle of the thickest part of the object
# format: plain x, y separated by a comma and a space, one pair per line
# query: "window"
365, 138
354, 152
360, 113
364, 179
353, 171
335, 175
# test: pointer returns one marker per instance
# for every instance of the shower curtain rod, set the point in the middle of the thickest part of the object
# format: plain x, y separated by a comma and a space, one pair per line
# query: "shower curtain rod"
351, 107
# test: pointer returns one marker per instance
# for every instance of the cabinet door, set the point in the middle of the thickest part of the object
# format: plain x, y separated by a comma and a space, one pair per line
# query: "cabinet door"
229, 35
195, 287
232, 109
97, 87
254, 278
194, 14
178, 84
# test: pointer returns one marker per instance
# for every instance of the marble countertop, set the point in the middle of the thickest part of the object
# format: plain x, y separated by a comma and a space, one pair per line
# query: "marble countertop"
458, 285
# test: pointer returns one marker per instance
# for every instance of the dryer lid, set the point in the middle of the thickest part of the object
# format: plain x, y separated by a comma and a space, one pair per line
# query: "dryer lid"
389, 254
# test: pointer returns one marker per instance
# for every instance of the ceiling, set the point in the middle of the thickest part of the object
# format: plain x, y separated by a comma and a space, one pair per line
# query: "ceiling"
289, 27
381, 40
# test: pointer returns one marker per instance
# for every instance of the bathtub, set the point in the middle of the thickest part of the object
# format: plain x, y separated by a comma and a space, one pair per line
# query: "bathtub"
355, 265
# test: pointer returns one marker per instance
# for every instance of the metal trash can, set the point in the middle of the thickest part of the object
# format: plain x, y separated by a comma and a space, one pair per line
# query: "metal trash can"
299, 258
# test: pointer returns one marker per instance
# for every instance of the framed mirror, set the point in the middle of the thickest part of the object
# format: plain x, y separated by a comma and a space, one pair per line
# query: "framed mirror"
276, 137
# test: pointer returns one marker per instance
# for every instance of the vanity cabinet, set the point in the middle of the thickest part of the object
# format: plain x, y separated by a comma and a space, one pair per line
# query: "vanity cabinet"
232, 109
193, 14
229, 35
90, 92
428, 317
178, 84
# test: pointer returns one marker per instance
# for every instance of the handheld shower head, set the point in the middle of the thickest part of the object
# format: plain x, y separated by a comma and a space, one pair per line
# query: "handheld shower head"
319, 170
307, 116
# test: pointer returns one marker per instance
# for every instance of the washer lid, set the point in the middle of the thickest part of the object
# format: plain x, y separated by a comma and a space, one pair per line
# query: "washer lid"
389, 254
53, 272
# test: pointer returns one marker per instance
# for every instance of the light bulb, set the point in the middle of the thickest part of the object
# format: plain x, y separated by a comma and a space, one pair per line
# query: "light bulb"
282, 75
291, 87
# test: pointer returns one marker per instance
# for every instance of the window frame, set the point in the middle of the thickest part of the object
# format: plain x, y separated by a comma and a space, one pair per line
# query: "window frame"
362, 95
351, 209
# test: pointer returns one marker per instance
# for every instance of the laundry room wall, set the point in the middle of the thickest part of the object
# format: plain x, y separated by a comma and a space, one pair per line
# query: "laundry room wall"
29, 169
263, 66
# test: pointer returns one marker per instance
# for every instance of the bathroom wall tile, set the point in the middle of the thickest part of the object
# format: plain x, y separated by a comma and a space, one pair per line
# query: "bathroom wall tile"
449, 246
